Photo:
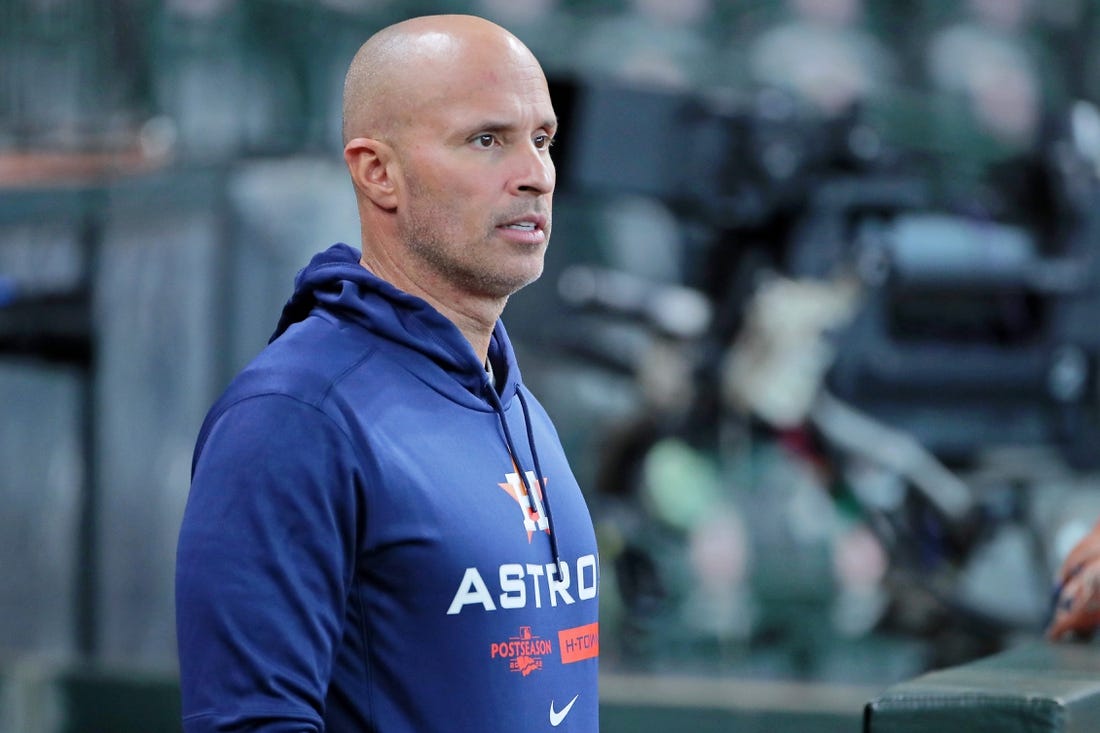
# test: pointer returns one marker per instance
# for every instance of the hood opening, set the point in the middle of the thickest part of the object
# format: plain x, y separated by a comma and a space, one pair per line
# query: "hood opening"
335, 282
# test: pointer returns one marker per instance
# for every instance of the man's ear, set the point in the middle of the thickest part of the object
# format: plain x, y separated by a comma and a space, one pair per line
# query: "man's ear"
372, 167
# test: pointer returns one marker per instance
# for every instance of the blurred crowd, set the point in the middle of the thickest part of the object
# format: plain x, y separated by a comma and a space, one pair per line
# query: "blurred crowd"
212, 78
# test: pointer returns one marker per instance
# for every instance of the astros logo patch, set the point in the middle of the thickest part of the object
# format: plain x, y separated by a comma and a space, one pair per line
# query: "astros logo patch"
531, 508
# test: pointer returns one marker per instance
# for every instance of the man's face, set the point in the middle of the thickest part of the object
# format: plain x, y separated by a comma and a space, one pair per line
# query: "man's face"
478, 177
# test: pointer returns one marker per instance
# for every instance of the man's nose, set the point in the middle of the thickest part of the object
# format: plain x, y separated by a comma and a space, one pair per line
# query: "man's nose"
534, 172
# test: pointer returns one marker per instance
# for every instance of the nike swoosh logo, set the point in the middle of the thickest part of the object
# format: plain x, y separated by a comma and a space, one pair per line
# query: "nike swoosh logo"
556, 717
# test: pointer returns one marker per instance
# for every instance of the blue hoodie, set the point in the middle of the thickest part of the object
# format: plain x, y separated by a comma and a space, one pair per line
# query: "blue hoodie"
366, 547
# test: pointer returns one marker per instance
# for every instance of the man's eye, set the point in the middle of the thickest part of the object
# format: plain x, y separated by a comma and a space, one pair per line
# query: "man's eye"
543, 141
485, 141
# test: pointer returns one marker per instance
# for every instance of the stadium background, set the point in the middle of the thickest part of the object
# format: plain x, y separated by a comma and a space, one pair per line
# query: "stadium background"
167, 165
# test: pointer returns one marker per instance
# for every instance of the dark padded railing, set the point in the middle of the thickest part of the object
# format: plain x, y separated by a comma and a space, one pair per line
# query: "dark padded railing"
1035, 687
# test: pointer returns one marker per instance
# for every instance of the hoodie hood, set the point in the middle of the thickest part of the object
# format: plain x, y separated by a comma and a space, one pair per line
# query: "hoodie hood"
336, 282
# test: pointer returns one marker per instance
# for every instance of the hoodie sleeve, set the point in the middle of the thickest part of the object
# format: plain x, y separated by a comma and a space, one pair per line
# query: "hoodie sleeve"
266, 554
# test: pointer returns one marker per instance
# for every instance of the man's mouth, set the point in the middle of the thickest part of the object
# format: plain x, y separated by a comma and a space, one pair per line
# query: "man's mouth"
526, 223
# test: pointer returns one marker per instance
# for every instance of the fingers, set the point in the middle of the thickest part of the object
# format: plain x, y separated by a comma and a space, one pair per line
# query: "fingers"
1084, 552
1074, 625
1077, 602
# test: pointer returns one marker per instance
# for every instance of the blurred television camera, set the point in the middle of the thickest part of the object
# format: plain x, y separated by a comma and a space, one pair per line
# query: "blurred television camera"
926, 361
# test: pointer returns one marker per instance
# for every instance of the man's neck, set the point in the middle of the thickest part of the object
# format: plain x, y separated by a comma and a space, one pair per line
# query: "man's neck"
475, 317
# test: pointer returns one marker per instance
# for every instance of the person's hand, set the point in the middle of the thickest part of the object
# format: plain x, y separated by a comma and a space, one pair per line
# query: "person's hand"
1077, 595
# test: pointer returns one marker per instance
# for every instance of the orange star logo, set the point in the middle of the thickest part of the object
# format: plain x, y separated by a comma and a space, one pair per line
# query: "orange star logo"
533, 512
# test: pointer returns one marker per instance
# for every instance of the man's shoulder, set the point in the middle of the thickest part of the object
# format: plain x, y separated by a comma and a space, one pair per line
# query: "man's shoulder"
303, 366
307, 361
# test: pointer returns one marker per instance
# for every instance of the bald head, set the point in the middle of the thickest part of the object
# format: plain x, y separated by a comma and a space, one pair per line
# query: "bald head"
407, 65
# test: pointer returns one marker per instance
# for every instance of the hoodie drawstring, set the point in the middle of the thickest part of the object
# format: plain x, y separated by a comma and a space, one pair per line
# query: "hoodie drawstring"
538, 474
533, 493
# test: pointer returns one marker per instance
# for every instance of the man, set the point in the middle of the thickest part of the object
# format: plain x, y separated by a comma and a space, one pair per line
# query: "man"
383, 533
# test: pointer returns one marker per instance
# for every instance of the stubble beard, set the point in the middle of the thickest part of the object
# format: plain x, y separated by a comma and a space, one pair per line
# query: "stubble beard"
479, 274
